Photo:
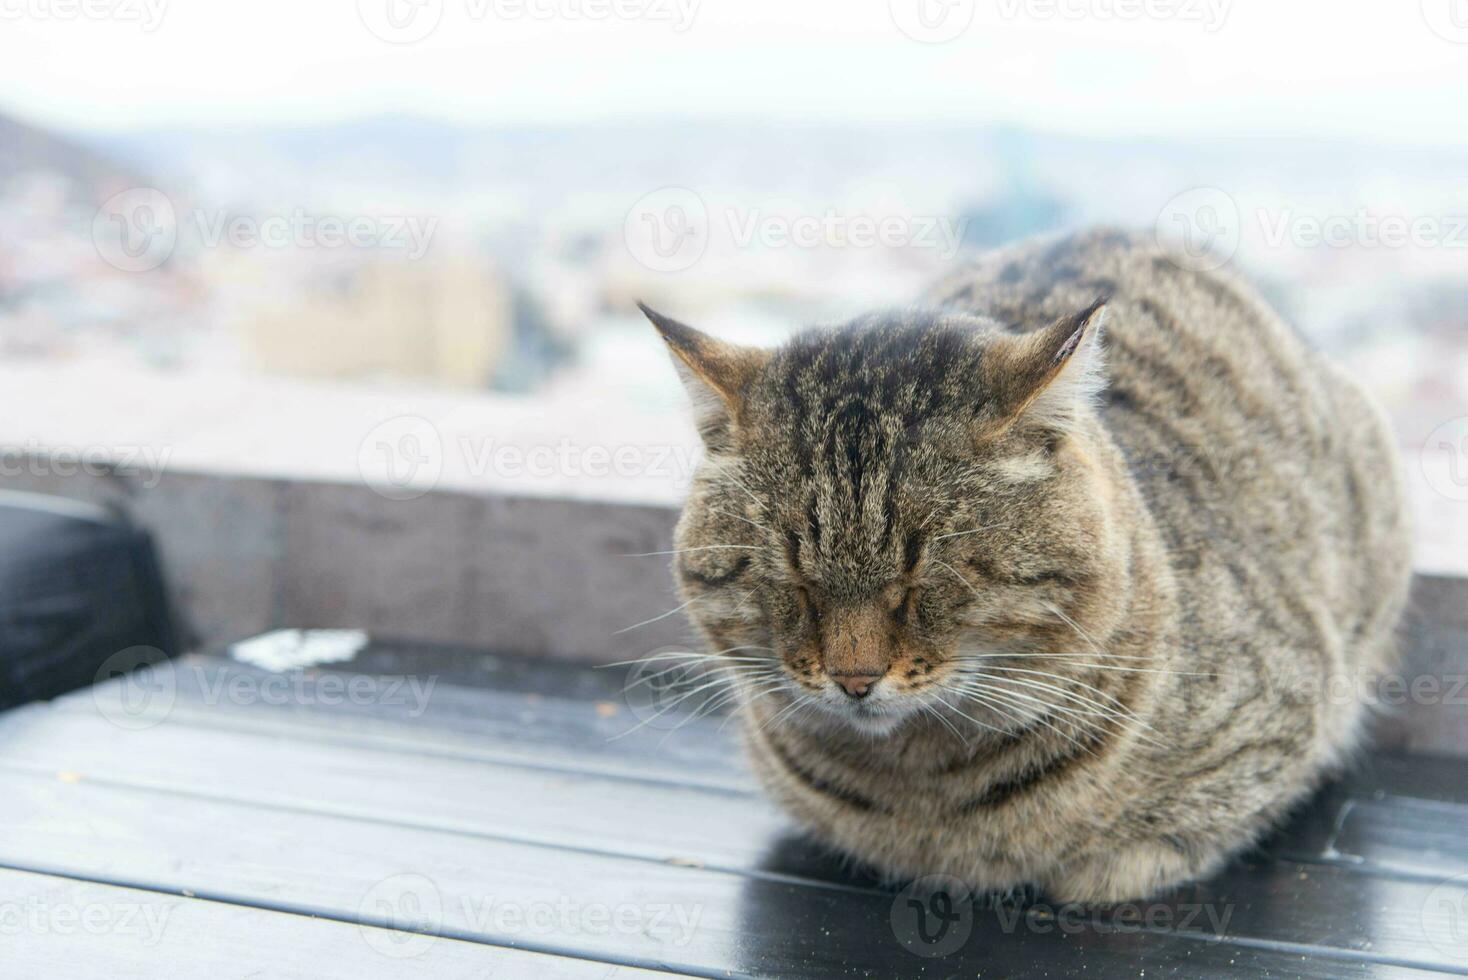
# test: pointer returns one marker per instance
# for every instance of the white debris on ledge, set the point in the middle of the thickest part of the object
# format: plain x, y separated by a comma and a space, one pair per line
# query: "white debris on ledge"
284, 650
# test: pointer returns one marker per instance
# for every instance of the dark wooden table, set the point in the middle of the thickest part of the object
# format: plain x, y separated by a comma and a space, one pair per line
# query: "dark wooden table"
449, 814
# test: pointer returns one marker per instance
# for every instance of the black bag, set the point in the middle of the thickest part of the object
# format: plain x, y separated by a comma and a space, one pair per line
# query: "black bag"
78, 587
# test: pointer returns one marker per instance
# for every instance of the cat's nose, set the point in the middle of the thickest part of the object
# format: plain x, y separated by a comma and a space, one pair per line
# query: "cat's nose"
856, 686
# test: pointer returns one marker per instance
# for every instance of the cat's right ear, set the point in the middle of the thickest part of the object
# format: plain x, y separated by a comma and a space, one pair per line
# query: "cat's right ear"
1047, 377
716, 375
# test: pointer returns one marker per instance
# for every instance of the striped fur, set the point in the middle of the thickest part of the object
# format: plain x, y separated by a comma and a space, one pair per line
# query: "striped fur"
1122, 591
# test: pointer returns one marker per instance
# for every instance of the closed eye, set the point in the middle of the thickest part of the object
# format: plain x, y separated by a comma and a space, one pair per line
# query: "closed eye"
1052, 576
903, 611
808, 607
714, 579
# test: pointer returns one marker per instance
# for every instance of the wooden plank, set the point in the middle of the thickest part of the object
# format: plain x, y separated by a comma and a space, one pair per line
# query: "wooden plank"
543, 900
1423, 777
1390, 834
547, 729
552, 721
351, 780
389, 812
1392, 814
1345, 826
62, 927
539, 727
434, 718
1405, 835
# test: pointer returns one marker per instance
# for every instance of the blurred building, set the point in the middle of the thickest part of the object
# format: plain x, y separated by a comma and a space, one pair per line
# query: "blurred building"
445, 320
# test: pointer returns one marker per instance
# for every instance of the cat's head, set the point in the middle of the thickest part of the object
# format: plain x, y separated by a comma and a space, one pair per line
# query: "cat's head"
885, 508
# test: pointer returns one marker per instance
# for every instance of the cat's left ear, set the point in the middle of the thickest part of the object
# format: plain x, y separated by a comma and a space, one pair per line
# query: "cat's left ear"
716, 374
1048, 377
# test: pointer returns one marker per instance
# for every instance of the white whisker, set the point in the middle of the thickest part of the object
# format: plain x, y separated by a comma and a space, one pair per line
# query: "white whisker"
647, 622
737, 517
1009, 696
705, 547
944, 701
976, 530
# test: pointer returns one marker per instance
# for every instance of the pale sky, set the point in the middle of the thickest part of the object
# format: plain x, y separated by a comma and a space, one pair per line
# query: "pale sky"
1392, 71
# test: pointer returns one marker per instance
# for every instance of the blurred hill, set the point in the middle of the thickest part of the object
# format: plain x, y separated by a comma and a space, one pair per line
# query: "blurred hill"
90, 174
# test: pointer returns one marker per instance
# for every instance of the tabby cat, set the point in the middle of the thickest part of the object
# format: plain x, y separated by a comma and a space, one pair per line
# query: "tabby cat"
1014, 601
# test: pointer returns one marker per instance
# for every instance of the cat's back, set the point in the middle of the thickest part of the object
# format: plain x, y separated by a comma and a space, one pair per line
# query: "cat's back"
1271, 475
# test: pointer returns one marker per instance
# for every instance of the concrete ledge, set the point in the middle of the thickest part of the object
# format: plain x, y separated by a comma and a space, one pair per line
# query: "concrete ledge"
520, 575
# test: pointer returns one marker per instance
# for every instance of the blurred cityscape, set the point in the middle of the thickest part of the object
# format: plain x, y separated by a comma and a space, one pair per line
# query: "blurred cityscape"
508, 259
